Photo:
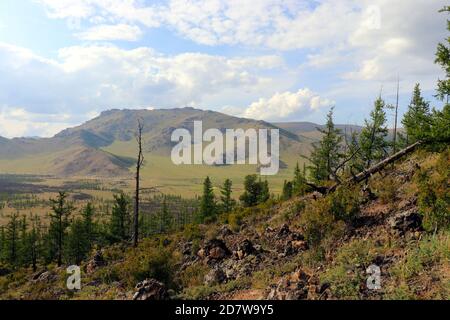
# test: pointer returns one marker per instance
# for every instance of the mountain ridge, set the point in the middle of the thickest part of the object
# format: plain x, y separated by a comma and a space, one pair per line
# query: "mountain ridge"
102, 143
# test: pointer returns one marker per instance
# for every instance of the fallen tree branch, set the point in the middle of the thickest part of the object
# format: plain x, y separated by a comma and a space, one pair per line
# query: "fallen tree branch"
377, 167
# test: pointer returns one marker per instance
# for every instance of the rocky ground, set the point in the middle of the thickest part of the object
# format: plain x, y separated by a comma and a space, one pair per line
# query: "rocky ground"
267, 255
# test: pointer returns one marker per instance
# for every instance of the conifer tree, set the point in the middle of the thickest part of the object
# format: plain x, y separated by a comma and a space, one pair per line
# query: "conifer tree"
417, 120
373, 136
440, 128
23, 239
32, 244
443, 59
287, 190
228, 202
2, 244
256, 191
264, 193
326, 154
77, 246
59, 223
299, 186
207, 203
120, 218
355, 163
166, 217
12, 240
252, 191
87, 215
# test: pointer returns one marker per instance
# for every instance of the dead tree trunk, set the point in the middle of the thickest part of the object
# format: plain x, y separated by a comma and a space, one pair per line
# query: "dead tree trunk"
139, 162
395, 119
377, 167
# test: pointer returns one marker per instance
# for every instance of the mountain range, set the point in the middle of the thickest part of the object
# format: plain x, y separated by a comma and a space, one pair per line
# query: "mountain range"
105, 146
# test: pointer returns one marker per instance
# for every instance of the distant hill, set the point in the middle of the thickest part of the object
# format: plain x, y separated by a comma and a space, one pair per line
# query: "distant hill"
105, 145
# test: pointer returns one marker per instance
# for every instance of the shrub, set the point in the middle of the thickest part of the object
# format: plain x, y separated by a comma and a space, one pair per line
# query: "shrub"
319, 223
386, 189
193, 275
434, 195
348, 273
149, 261
192, 232
344, 203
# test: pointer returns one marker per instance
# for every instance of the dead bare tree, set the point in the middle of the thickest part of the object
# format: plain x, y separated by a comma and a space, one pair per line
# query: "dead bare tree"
395, 119
139, 162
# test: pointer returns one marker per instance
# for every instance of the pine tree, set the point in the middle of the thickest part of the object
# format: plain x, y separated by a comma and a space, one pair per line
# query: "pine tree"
264, 193
355, 163
2, 244
12, 240
120, 218
256, 191
32, 244
77, 245
228, 202
440, 130
443, 59
59, 223
166, 217
207, 203
373, 136
326, 154
299, 186
88, 223
252, 190
23, 240
287, 190
417, 120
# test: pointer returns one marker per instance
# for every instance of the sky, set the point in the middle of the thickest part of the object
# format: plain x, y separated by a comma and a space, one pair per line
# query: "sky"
62, 62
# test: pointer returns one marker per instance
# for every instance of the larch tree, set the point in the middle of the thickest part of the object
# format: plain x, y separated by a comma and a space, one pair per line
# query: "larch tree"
373, 136
417, 120
227, 201
61, 211
207, 202
326, 155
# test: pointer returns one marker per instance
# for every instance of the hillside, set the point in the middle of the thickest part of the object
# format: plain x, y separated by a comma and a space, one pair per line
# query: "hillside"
105, 147
295, 249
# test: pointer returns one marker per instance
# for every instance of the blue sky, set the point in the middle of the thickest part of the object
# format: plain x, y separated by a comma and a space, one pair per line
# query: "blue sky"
64, 61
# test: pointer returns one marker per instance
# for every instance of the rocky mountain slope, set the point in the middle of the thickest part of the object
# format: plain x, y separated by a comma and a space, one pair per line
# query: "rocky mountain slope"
309, 247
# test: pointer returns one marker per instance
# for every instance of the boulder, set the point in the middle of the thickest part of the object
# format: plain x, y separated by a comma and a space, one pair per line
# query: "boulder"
150, 289
214, 249
406, 220
35, 276
45, 276
244, 249
292, 287
215, 276
225, 231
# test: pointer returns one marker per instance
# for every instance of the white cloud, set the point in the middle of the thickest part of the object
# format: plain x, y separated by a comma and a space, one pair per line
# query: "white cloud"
284, 105
104, 10
17, 122
94, 78
373, 39
111, 32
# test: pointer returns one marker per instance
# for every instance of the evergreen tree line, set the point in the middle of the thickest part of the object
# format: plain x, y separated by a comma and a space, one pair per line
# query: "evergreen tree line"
28, 242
